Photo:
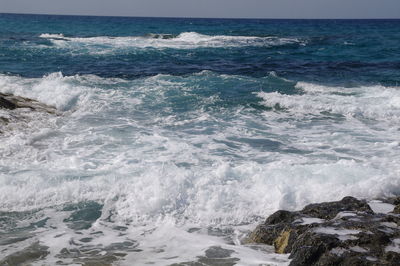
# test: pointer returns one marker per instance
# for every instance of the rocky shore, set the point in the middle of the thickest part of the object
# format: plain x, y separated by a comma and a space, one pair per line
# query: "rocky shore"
16, 109
12, 102
346, 232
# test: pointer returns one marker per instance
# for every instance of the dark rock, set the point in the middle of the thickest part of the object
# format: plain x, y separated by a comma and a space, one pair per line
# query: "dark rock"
328, 210
396, 209
345, 232
281, 216
6, 104
16, 112
274, 227
310, 246
12, 102
393, 201
4, 120
392, 258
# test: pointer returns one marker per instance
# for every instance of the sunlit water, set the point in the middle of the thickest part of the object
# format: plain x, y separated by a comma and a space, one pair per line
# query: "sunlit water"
175, 137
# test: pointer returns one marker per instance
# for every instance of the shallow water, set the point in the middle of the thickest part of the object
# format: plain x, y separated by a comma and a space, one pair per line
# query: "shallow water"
177, 136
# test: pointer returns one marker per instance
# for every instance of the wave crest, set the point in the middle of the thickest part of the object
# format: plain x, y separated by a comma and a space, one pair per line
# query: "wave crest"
364, 102
185, 40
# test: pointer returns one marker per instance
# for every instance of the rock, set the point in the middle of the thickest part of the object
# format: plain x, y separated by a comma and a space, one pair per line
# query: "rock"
397, 209
396, 202
12, 102
4, 120
6, 104
273, 227
328, 210
310, 246
17, 112
282, 241
345, 232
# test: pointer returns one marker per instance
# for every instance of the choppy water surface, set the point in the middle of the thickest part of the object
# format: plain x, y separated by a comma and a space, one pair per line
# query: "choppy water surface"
177, 136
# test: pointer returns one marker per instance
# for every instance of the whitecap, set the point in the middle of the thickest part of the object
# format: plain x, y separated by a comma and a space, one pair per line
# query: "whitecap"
185, 40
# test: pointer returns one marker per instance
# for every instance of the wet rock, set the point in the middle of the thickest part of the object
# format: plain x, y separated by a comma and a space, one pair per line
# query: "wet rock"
274, 226
6, 104
12, 102
328, 210
397, 209
396, 202
345, 232
4, 120
16, 113
310, 246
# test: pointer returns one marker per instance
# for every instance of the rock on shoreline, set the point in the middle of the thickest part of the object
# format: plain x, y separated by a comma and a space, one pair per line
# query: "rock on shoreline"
346, 232
17, 110
12, 102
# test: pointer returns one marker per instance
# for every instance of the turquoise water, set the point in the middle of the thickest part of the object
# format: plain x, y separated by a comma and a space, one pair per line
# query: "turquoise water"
177, 136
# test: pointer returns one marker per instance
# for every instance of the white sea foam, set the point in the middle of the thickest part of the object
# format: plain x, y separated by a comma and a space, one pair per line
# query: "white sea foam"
373, 102
341, 234
394, 246
53, 89
52, 36
185, 40
381, 207
359, 249
161, 172
307, 220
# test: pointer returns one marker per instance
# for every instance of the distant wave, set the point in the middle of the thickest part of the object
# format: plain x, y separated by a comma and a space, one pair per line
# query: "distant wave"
185, 40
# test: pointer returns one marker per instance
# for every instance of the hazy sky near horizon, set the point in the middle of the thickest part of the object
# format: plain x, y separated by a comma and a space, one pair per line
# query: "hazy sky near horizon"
211, 8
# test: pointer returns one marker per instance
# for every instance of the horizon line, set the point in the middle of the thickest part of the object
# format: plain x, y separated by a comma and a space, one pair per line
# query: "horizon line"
172, 17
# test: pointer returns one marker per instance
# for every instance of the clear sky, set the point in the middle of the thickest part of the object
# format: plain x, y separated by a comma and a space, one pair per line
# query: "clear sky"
210, 8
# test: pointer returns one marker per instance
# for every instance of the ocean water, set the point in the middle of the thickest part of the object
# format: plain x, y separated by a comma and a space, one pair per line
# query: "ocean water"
176, 137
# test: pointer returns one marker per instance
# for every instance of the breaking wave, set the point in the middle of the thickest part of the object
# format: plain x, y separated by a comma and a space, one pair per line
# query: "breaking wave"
377, 103
186, 40
163, 158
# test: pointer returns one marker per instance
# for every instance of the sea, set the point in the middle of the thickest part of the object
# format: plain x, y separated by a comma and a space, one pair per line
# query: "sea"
175, 137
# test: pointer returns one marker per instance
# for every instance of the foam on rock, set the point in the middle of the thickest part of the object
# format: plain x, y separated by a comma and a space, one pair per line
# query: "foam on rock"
339, 239
12, 102
16, 110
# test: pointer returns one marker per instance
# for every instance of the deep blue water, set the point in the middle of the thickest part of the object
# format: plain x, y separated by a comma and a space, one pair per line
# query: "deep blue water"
174, 137
334, 51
